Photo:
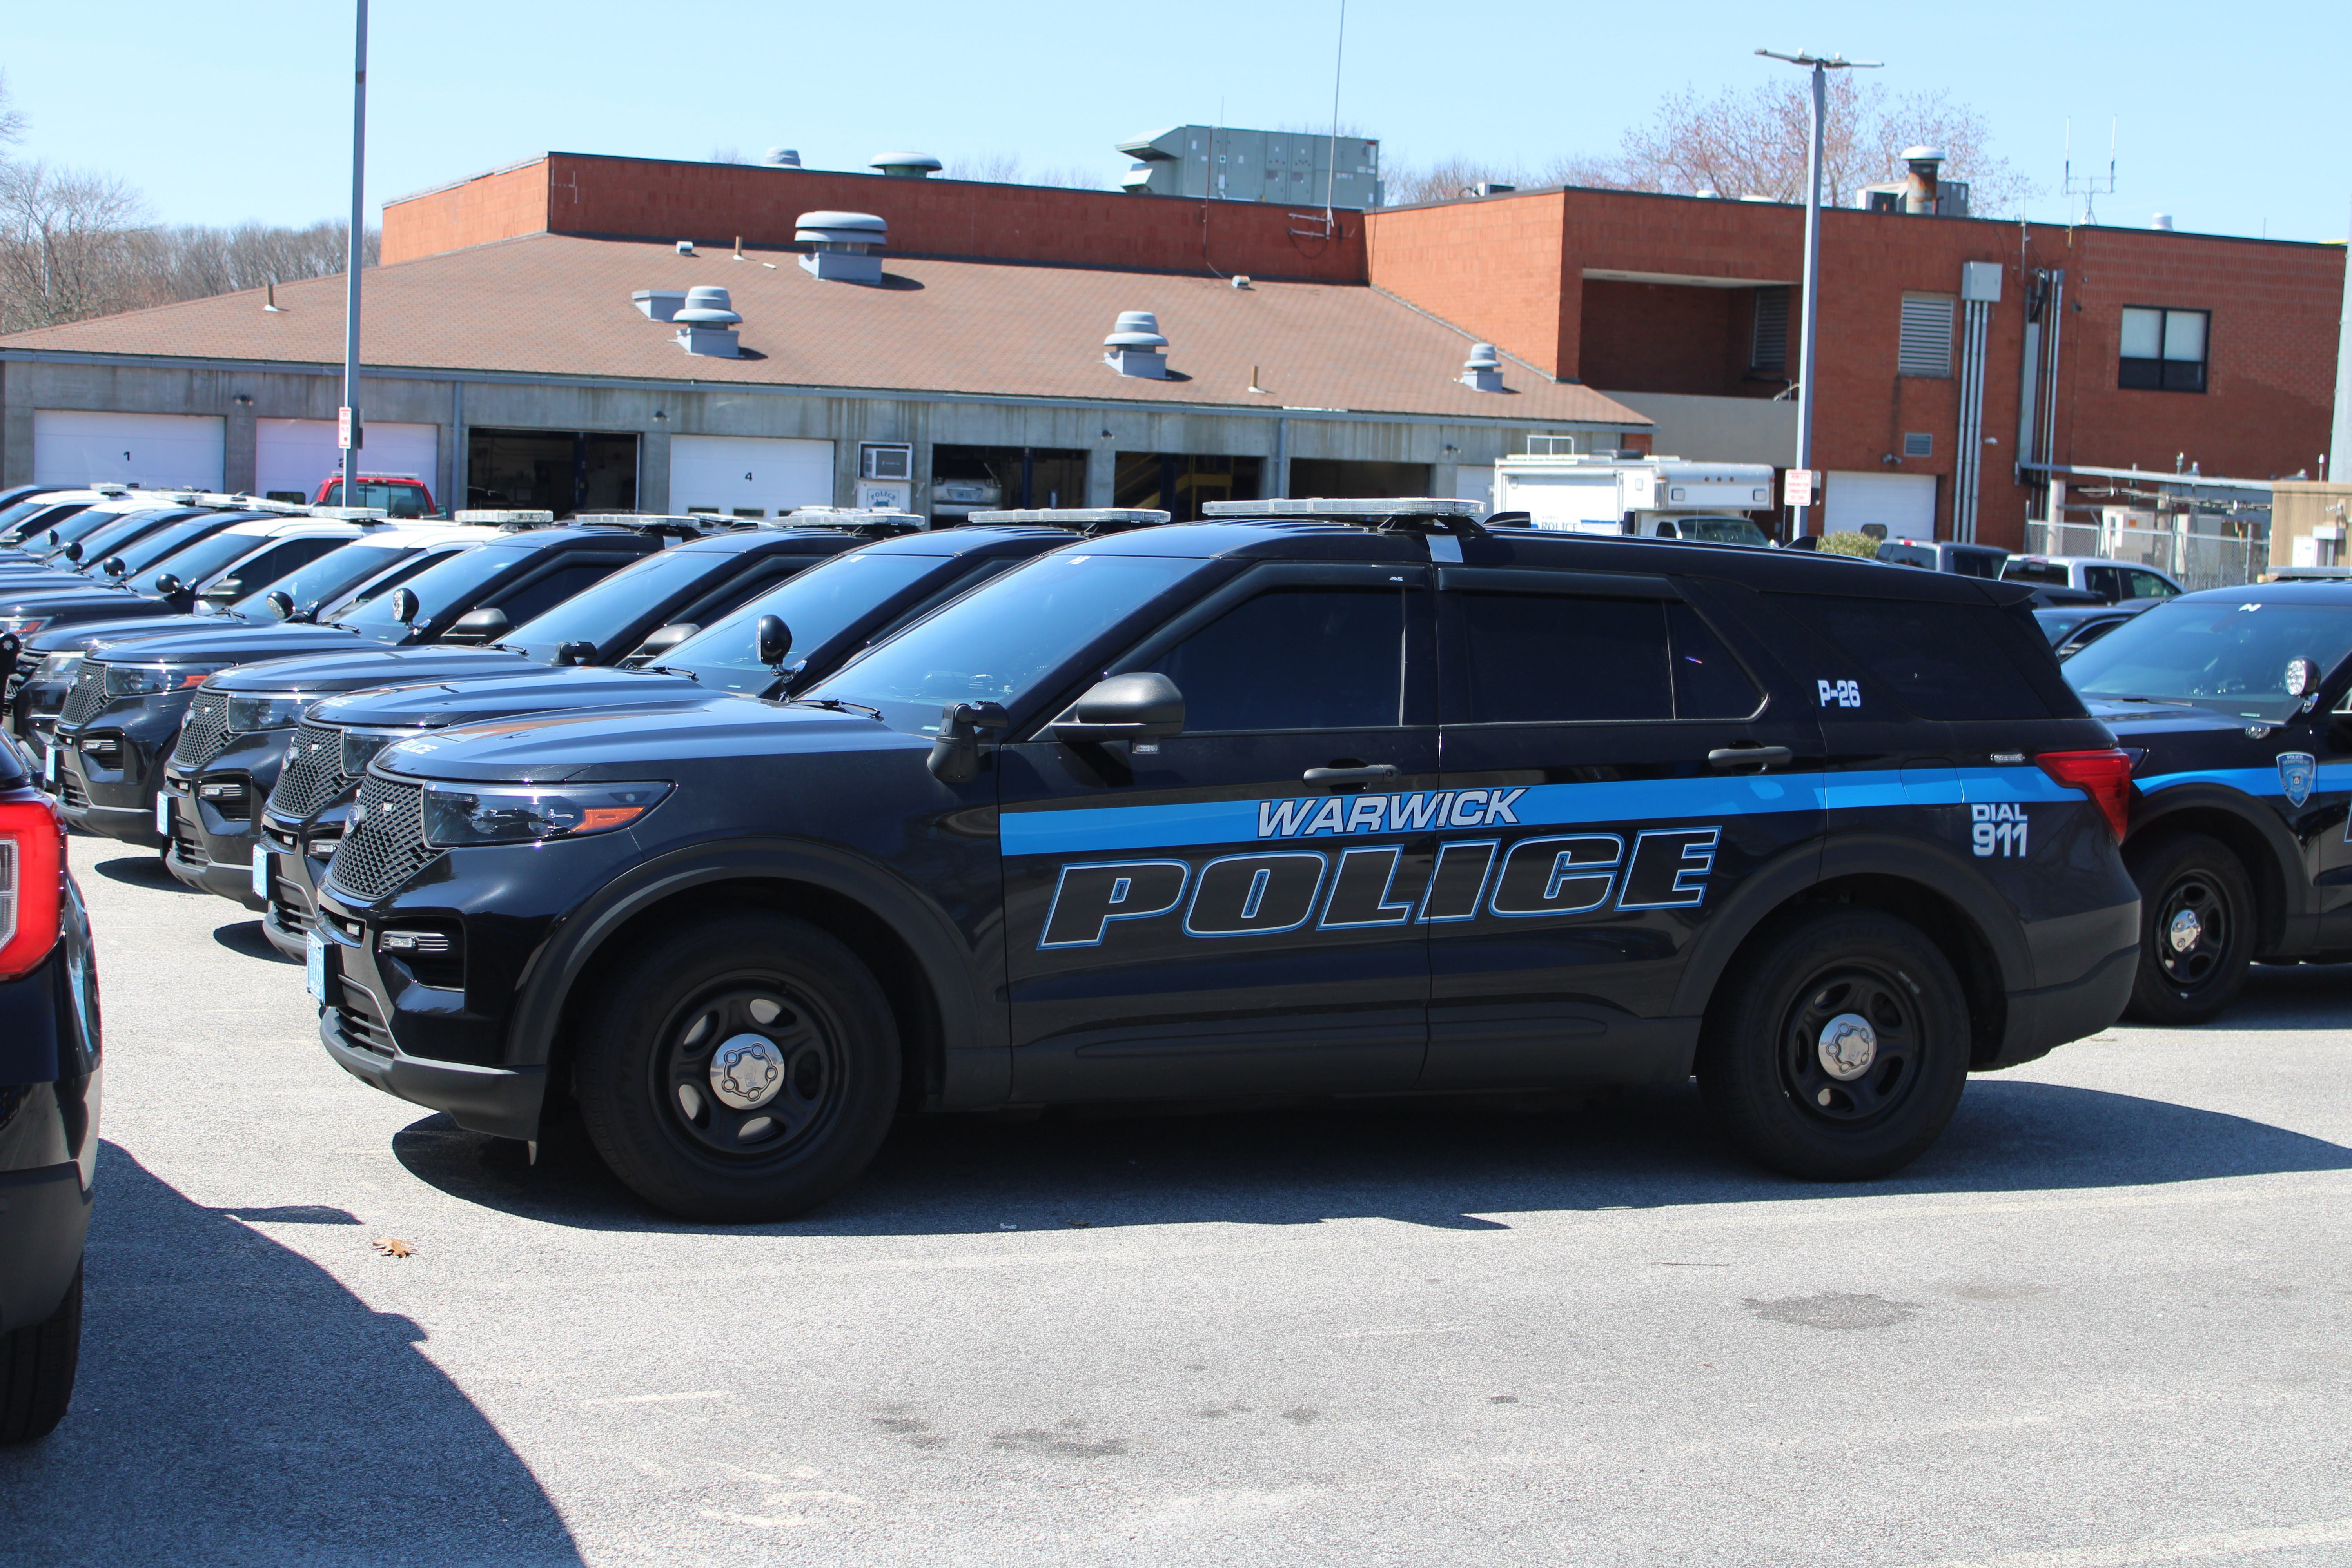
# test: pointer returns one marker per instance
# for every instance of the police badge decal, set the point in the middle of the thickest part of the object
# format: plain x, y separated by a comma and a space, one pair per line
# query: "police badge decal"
2298, 770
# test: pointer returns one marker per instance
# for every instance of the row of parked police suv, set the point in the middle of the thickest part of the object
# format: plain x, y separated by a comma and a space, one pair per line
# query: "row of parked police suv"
731, 843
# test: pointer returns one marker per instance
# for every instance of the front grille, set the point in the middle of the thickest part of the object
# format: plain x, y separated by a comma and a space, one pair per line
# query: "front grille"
385, 847
314, 773
186, 846
204, 735
363, 1027
69, 789
88, 695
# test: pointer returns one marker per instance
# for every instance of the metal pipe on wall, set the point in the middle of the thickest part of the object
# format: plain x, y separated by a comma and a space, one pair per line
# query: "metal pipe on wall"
1969, 461
351, 264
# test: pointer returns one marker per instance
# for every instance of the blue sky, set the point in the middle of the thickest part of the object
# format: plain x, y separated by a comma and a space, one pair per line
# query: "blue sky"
2230, 117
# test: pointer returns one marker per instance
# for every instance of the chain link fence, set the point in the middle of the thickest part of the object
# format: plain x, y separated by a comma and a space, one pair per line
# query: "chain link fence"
2195, 560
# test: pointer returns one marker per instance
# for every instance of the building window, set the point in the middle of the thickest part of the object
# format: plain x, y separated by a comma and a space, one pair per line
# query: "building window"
2163, 351
1768, 342
1926, 348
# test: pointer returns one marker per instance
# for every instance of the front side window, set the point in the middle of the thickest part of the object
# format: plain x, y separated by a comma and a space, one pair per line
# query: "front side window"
452, 579
331, 576
2149, 586
2219, 653
1004, 640
1294, 658
2163, 349
1555, 658
815, 606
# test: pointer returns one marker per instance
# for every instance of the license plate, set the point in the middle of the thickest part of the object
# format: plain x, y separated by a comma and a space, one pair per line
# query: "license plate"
49, 765
314, 969
163, 813
261, 873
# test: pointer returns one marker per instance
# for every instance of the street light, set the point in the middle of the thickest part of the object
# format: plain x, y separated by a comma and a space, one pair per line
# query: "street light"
1821, 66
350, 431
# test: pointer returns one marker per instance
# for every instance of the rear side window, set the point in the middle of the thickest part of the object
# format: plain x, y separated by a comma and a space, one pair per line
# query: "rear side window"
1708, 682
277, 561
2044, 572
1555, 659
1295, 659
1941, 660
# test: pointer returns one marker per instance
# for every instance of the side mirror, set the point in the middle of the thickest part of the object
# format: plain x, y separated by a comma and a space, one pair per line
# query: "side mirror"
473, 625
73, 553
2301, 681
405, 605
664, 638
774, 640
1140, 707
113, 567
281, 602
572, 653
169, 585
955, 755
228, 591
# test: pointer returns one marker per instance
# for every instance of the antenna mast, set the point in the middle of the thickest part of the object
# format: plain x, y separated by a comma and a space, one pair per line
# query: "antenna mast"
2090, 186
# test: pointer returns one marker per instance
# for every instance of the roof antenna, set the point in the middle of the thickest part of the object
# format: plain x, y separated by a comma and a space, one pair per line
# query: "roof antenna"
2089, 188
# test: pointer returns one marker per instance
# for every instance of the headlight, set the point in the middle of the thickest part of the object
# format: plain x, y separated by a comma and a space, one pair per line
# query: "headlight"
23, 626
146, 679
524, 814
265, 711
59, 667
360, 747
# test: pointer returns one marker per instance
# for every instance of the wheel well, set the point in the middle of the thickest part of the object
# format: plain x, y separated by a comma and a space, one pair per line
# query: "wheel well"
1942, 922
913, 1006
2245, 841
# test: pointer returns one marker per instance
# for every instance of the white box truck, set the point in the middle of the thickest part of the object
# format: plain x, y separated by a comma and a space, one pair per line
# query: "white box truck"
1664, 498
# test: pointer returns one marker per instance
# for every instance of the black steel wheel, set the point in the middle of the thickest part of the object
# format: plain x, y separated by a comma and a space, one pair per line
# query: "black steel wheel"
2196, 937
743, 1067
1837, 1048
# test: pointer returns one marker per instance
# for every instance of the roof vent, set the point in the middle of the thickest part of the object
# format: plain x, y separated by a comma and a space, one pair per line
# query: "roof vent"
685, 248
1136, 346
1708, 194
1483, 368
707, 324
842, 246
908, 165
2161, 220
781, 158
661, 304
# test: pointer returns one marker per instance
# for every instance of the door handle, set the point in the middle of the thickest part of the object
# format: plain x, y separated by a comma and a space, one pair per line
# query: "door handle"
1358, 775
1749, 757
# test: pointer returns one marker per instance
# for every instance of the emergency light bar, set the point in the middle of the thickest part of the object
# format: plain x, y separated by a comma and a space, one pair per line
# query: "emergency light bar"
1087, 519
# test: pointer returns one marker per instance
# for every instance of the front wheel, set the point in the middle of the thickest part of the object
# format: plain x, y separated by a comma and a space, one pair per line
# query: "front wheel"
37, 1371
2196, 930
743, 1068
1837, 1050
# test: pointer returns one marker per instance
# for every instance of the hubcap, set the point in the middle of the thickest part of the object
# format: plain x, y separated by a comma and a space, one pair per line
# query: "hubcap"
748, 1068
1848, 1046
2185, 930
2193, 923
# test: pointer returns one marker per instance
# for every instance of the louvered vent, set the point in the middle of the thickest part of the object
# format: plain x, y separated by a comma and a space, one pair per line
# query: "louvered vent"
1927, 343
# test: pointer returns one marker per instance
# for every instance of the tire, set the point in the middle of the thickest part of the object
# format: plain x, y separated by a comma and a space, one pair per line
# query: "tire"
1771, 1080
2195, 887
744, 1068
37, 1370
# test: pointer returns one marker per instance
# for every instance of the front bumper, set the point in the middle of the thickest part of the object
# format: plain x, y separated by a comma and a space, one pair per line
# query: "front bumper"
501, 1101
215, 816
113, 793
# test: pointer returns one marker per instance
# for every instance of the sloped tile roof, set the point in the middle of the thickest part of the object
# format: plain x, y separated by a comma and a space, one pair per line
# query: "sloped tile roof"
560, 305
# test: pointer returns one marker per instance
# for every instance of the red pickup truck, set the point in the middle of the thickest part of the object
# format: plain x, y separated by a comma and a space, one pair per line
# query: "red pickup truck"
397, 495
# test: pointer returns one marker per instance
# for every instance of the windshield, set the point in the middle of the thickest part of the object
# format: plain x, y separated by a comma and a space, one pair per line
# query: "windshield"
456, 580
598, 614
1001, 641
101, 532
1721, 530
165, 543
329, 577
192, 563
2217, 652
817, 606
394, 499
22, 515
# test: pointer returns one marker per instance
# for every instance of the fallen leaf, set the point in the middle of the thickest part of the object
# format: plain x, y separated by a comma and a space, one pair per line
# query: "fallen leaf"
392, 1247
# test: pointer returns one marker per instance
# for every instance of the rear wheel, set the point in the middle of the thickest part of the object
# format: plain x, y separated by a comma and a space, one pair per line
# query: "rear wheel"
2195, 929
1837, 1050
745, 1068
37, 1371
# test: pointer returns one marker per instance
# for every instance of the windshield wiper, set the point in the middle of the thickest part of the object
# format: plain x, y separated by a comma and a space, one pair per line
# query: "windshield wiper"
837, 705
662, 669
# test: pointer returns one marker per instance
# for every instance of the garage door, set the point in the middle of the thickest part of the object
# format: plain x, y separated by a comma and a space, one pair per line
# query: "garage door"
749, 476
179, 451
291, 457
1906, 503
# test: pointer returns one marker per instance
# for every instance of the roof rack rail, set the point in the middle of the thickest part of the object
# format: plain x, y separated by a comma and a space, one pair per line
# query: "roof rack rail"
362, 515
1401, 514
1090, 520
874, 522
497, 518
677, 525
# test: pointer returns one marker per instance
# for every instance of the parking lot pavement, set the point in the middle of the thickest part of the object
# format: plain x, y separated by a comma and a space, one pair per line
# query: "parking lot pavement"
2104, 1322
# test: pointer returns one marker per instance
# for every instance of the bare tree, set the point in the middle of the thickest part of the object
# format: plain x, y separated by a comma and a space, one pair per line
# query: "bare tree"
1006, 169
63, 250
728, 155
12, 119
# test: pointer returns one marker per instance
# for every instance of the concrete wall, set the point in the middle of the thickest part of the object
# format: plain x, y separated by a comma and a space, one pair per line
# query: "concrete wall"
1718, 429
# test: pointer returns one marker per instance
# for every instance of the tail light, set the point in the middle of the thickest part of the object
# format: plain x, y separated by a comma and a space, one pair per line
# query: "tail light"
2104, 776
32, 884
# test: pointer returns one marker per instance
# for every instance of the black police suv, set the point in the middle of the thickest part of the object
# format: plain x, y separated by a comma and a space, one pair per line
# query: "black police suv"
788, 638
123, 716
2235, 705
1345, 797
240, 721
48, 1106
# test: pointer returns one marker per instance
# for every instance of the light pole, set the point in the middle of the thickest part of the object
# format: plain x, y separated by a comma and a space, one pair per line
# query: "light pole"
349, 432
1821, 66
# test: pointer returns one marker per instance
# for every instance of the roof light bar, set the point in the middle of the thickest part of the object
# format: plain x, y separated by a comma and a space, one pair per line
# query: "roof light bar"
508, 519
1347, 509
1089, 520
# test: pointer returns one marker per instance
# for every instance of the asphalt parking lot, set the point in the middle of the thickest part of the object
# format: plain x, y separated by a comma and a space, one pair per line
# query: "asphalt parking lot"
2104, 1321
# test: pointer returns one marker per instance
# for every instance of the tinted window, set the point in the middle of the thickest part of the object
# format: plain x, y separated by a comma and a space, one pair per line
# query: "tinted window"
2035, 572
817, 606
1723, 530
540, 595
1942, 661
1537, 659
1295, 659
999, 641
450, 580
413, 564
610, 606
331, 575
279, 560
2220, 652
1909, 555
1976, 563
154, 548
1708, 682
2149, 586
2103, 580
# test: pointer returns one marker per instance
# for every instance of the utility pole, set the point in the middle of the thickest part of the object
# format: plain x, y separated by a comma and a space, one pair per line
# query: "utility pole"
349, 432
1821, 65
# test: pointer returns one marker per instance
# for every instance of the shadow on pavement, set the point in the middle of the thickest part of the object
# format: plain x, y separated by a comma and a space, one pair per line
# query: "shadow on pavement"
2287, 996
245, 939
145, 869
1431, 1162
235, 1404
